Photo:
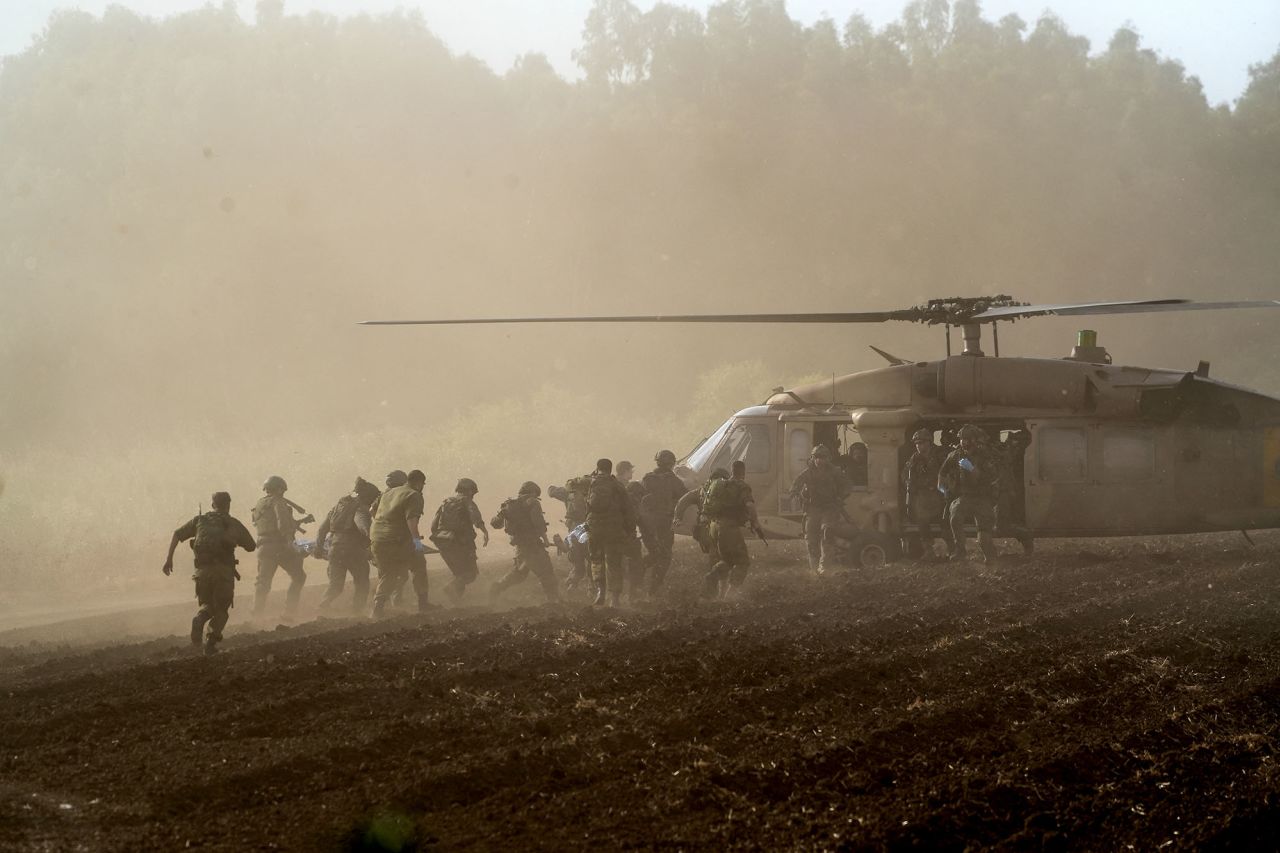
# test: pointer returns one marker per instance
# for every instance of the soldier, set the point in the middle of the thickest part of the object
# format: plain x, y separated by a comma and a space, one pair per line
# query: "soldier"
698, 497
971, 478
574, 496
276, 527
854, 464
609, 523
729, 506
1011, 502
214, 536
821, 489
453, 530
524, 522
396, 540
920, 485
662, 490
348, 524
632, 554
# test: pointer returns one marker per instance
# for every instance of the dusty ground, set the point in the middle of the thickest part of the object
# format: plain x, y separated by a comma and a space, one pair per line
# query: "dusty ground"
1096, 696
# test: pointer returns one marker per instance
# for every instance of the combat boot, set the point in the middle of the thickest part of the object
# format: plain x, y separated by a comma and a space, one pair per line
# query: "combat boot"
210, 647
197, 627
988, 546
1028, 544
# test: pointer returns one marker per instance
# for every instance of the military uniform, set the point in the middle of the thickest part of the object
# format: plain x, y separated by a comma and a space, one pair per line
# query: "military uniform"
972, 494
662, 491
633, 555
346, 530
610, 523
215, 570
453, 530
574, 496
1009, 504
728, 506
394, 550
525, 524
821, 489
273, 519
925, 503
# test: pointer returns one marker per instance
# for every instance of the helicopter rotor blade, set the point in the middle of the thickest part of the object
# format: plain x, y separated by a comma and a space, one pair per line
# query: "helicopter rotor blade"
1139, 306
909, 314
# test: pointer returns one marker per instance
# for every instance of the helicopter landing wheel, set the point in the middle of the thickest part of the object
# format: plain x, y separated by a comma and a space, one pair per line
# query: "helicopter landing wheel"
872, 550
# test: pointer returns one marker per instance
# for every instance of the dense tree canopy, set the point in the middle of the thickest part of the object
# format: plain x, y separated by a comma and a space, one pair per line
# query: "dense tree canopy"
201, 190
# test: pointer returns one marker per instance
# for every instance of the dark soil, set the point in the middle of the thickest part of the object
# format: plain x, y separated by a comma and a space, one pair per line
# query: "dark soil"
1100, 695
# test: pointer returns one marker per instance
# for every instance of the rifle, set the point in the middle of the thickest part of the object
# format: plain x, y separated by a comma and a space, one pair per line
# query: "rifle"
307, 519
759, 532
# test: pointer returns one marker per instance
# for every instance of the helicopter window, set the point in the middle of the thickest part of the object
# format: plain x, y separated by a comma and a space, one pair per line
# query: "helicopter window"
1128, 456
751, 443
799, 443
1064, 455
698, 458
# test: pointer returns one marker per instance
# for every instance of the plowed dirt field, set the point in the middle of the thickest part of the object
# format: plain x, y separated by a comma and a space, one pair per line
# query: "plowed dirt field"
1099, 695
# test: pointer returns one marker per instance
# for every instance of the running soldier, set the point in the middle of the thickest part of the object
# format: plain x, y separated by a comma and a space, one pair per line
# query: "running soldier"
821, 490
920, 485
971, 478
1010, 506
453, 531
214, 536
662, 491
609, 524
276, 527
343, 538
396, 540
524, 522
698, 497
574, 496
632, 555
729, 506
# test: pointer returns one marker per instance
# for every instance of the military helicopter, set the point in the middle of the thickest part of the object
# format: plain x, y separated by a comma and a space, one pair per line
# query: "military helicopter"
1114, 450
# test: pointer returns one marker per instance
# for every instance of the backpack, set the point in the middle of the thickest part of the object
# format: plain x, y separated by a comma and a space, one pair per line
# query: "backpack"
454, 518
212, 534
265, 520
603, 498
722, 496
513, 516
344, 515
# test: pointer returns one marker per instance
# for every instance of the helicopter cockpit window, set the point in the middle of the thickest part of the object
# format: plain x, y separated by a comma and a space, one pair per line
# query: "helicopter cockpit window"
752, 443
697, 460
1128, 456
1063, 455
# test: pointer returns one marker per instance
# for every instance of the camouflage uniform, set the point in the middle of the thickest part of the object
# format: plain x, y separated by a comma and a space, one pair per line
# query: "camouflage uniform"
453, 530
273, 519
633, 555
610, 523
821, 489
215, 573
729, 506
925, 503
394, 550
344, 537
972, 494
1011, 500
574, 496
662, 490
528, 534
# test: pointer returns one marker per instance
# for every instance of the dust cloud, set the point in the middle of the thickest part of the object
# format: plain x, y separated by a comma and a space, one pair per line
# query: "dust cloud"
195, 211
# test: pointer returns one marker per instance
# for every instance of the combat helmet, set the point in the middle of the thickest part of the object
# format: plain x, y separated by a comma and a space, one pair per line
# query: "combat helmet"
275, 483
466, 484
664, 458
820, 451
971, 431
528, 487
397, 478
365, 490
720, 474
922, 435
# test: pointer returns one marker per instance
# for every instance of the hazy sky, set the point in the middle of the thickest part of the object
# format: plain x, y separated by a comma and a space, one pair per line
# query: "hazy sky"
1215, 40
